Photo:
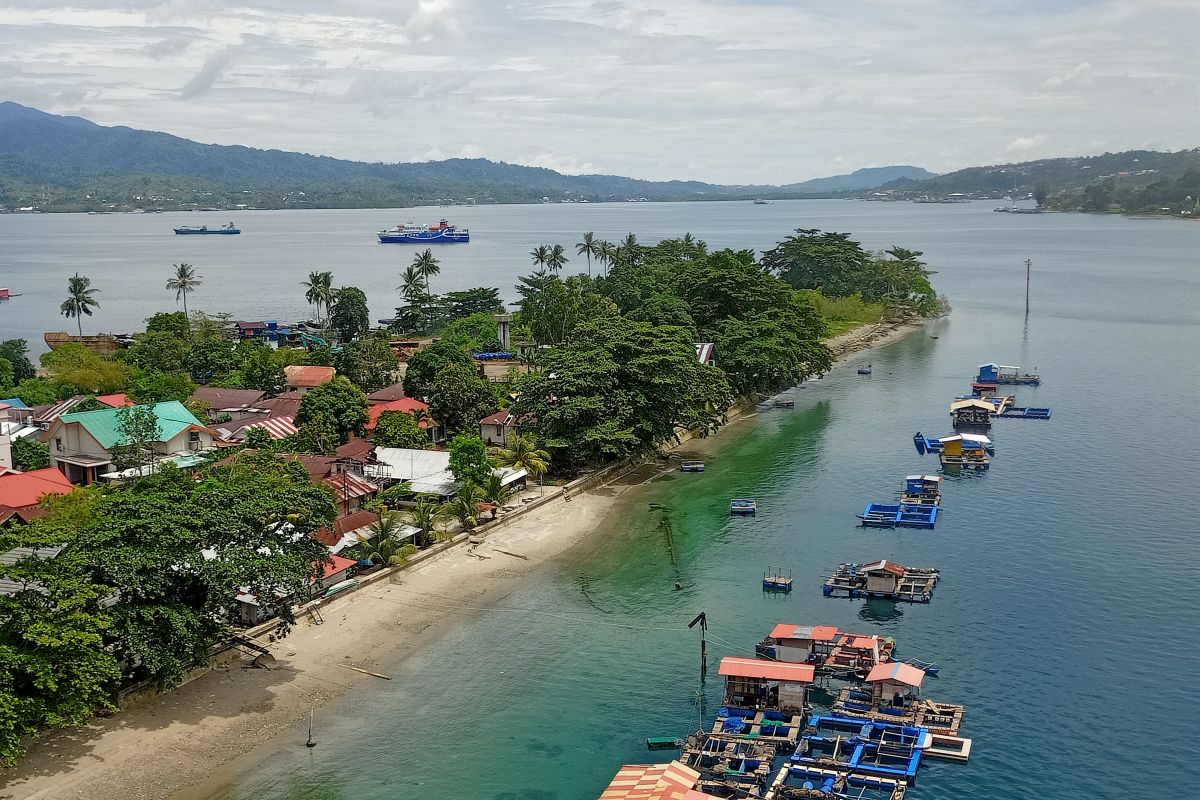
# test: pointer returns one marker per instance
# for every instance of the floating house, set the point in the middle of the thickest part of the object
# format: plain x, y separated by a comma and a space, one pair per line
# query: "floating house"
996, 373
802, 644
895, 684
926, 445
885, 579
753, 683
971, 413
855, 655
922, 490
965, 451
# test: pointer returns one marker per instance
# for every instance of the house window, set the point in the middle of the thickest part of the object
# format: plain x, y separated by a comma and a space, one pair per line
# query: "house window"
58, 444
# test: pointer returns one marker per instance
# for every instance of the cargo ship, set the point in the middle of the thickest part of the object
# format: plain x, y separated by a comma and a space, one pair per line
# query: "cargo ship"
442, 233
226, 230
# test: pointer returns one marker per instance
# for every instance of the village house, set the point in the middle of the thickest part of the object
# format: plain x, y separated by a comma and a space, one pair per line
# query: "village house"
759, 684
301, 379
895, 683
228, 402
237, 431
82, 443
21, 492
387, 394
407, 405
352, 492
799, 643
428, 471
497, 429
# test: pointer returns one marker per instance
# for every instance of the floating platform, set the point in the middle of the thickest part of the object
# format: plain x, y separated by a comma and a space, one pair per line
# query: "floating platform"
1025, 413
774, 580
884, 579
926, 445
943, 719
740, 506
775, 727
692, 466
1012, 376
785, 403
808, 781
663, 743
922, 490
899, 515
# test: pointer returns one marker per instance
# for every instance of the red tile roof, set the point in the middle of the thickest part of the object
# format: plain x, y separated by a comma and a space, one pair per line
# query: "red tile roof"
387, 394
22, 489
733, 666
336, 564
343, 525
357, 449
815, 633
885, 566
405, 405
499, 418
308, 377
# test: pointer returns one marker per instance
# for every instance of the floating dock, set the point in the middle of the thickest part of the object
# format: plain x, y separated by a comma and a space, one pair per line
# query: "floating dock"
996, 373
926, 445
1025, 413
899, 515
965, 451
885, 579
740, 506
774, 580
922, 490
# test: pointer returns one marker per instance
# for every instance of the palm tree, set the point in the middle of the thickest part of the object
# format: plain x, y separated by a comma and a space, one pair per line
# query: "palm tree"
557, 258
383, 544
320, 290
424, 515
426, 265
464, 506
411, 288
495, 492
540, 255
80, 300
604, 254
589, 247
183, 282
523, 453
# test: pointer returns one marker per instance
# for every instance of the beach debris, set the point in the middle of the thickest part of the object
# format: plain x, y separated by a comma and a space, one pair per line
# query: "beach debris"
367, 672
514, 555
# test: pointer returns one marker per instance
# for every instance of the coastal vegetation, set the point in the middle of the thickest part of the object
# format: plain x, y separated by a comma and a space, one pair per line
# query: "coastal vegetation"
81, 299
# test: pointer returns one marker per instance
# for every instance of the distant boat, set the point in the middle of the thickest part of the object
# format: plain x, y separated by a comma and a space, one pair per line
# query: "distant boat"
7, 293
865, 370
204, 230
759, 201
442, 233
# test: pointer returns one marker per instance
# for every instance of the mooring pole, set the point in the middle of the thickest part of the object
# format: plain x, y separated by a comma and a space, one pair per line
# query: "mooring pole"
1028, 266
702, 619
311, 741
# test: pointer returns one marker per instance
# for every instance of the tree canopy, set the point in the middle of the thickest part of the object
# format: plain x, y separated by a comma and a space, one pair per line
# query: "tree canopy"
425, 364
340, 403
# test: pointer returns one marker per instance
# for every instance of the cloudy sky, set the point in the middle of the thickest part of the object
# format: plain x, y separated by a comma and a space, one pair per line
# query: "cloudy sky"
734, 91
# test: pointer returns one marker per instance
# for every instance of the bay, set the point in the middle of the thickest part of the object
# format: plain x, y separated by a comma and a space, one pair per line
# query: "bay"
1065, 616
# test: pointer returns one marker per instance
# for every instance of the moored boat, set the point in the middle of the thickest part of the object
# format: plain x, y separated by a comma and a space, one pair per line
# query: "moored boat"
203, 230
441, 233
997, 373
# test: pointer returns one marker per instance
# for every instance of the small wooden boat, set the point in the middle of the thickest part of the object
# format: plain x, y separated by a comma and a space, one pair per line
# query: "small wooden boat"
865, 370
692, 466
785, 403
743, 506
663, 743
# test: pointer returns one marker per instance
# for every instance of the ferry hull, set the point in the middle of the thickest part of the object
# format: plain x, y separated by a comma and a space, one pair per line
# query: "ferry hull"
218, 232
437, 238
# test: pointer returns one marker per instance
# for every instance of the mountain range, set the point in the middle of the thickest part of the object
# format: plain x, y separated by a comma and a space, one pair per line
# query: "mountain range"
71, 162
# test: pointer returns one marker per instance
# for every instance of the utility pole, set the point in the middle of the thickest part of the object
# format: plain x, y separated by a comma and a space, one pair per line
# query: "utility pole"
702, 620
1028, 266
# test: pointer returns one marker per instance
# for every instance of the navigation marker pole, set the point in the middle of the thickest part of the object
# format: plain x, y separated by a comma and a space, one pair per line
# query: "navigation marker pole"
702, 618
311, 741
1028, 265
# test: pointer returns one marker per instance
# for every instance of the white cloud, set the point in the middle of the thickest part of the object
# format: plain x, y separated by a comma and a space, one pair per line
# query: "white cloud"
721, 90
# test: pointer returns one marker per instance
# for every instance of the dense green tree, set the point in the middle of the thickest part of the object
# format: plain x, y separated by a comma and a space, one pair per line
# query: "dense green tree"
832, 263
183, 281
619, 388
7, 375
137, 427
553, 308
477, 333
350, 316
81, 299
205, 328
76, 366
469, 459
425, 364
476, 301
340, 402
261, 368
37, 392
175, 323
398, 429
28, 453
157, 350
317, 434
369, 363
16, 352
459, 398
155, 386
211, 358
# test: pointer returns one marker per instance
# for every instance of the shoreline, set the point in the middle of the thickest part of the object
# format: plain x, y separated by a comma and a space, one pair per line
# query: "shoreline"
171, 745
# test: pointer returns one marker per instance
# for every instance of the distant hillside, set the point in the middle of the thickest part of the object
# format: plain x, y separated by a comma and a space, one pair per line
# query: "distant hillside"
69, 163
861, 179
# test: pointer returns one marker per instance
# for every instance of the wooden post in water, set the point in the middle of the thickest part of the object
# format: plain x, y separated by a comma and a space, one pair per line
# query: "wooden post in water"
702, 619
311, 741
1028, 265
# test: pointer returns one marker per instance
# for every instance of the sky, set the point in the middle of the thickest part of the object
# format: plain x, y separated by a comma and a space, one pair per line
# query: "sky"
728, 91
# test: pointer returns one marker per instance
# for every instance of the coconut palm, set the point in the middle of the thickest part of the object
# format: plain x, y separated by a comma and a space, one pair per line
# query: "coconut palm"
80, 299
604, 254
183, 282
540, 255
590, 248
557, 258
464, 506
424, 515
495, 492
523, 453
320, 290
384, 546
412, 287
427, 265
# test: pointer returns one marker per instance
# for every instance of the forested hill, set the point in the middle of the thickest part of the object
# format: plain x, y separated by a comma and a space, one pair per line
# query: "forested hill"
56, 162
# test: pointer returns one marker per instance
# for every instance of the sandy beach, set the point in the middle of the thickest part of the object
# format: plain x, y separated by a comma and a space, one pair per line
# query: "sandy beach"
187, 739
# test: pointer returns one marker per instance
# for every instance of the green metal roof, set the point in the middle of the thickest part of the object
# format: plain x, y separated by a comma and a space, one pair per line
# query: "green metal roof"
105, 425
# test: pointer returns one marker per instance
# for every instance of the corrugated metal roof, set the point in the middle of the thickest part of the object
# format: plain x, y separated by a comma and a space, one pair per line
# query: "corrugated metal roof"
405, 405
276, 427
104, 425
20, 489
348, 485
784, 671
896, 671
387, 394
306, 376
816, 633
58, 409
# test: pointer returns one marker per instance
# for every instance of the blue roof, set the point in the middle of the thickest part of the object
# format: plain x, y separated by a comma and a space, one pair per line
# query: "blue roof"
14, 402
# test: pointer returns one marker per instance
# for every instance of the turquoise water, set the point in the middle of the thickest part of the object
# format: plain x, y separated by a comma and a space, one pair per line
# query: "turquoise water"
1065, 619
